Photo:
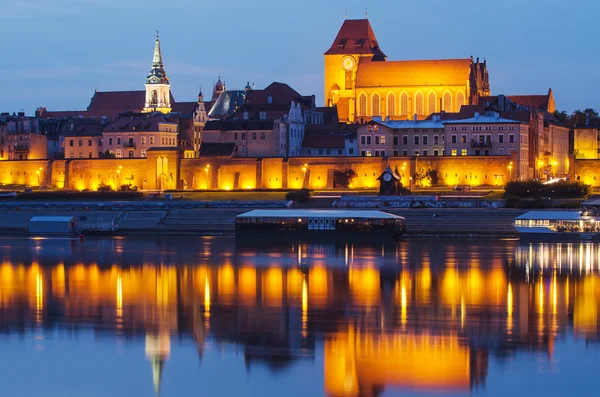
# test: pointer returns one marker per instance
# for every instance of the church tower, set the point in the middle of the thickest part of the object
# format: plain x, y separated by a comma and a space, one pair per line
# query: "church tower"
354, 42
158, 88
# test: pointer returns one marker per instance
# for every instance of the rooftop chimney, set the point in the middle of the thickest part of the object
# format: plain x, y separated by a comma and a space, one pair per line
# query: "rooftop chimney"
416, 118
476, 115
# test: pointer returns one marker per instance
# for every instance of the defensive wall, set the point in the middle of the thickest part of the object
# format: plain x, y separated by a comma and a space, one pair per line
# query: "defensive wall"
165, 169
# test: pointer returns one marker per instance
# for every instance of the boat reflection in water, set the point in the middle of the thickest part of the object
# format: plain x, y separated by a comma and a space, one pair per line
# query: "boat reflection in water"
408, 315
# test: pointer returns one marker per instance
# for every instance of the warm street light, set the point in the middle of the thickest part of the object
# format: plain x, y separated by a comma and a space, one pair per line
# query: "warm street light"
510, 170
206, 170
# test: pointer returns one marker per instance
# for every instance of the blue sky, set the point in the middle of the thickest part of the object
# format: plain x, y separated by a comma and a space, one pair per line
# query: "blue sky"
57, 52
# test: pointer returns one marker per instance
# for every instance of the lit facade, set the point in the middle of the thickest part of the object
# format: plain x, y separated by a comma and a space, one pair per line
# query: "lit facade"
132, 137
363, 84
20, 138
401, 138
488, 135
586, 140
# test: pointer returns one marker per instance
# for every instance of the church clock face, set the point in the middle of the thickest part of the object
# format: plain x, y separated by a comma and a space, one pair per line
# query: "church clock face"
347, 63
387, 177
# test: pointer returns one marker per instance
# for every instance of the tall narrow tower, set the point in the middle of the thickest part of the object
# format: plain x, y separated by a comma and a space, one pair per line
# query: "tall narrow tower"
158, 88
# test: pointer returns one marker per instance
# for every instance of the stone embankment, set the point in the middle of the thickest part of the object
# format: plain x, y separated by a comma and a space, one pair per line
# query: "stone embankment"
188, 218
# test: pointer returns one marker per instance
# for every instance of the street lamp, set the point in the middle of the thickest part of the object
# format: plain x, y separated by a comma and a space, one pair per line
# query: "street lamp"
206, 170
304, 169
540, 166
510, 170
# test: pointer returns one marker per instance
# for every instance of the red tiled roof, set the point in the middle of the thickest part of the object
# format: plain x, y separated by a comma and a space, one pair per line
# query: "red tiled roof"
355, 37
280, 93
141, 123
324, 141
112, 103
539, 102
184, 107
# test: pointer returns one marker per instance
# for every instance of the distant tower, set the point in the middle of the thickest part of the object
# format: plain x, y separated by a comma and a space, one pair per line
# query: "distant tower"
158, 88
247, 89
218, 90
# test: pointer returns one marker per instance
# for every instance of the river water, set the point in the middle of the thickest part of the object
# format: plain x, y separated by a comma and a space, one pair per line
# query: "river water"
212, 317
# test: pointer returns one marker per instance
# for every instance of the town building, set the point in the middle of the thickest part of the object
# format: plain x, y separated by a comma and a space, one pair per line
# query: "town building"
586, 142
380, 138
363, 84
269, 123
132, 136
20, 138
490, 135
329, 140
82, 138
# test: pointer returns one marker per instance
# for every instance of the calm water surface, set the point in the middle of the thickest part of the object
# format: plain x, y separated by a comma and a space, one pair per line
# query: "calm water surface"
209, 317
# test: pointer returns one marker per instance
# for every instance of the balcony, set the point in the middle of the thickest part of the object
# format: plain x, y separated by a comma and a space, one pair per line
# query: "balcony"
130, 145
477, 144
22, 147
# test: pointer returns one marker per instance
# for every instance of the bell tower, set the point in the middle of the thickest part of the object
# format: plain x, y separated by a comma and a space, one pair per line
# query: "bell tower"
355, 42
158, 88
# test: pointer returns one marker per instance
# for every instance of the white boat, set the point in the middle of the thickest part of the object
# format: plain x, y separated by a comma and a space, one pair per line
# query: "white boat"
576, 224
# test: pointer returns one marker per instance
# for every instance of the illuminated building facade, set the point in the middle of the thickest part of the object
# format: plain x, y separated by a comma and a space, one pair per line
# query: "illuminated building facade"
20, 138
363, 84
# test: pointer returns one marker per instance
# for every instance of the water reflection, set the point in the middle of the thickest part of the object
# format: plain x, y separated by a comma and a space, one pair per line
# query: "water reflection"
414, 315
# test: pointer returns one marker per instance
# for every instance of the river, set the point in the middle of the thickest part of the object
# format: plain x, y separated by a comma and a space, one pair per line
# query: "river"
150, 316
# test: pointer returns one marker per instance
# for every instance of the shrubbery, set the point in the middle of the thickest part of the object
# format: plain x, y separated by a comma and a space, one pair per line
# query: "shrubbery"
538, 189
129, 188
299, 196
103, 187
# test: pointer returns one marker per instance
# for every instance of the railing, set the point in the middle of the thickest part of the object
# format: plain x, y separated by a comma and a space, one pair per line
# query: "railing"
21, 147
487, 144
129, 145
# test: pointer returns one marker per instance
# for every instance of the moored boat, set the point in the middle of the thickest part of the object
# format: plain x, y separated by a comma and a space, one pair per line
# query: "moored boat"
319, 224
579, 225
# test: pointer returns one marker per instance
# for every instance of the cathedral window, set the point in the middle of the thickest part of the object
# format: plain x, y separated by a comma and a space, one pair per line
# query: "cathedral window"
391, 102
375, 107
404, 104
154, 97
419, 104
447, 102
460, 100
431, 103
362, 105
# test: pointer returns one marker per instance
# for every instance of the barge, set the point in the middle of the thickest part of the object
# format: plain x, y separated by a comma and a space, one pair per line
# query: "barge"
319, 224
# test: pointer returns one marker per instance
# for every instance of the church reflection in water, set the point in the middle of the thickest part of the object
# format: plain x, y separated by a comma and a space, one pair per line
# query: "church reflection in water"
415, 315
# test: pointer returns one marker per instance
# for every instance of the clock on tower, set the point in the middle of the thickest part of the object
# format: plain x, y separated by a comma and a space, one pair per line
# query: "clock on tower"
389, 183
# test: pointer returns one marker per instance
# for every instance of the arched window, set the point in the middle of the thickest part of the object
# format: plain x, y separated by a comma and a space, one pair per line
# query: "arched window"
375, 107
362, 105
419, 104
391, 103
447, 103
431, 103
460, 101
404, 104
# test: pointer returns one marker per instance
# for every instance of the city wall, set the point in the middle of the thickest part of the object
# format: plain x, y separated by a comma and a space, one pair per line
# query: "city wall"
165, 169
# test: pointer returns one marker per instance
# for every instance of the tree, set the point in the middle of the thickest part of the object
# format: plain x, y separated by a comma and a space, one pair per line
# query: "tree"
344, 178
107, 155
426, 177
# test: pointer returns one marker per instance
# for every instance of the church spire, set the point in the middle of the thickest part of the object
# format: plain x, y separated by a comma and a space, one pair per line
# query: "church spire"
158, 89
157, 73
157, 60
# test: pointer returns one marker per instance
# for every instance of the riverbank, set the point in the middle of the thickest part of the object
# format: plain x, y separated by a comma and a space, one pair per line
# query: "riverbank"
194, 219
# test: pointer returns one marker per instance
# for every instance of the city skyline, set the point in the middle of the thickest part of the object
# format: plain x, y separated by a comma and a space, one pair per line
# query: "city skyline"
241, 46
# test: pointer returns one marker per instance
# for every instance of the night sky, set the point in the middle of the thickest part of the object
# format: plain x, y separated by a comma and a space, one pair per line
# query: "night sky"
57, 52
